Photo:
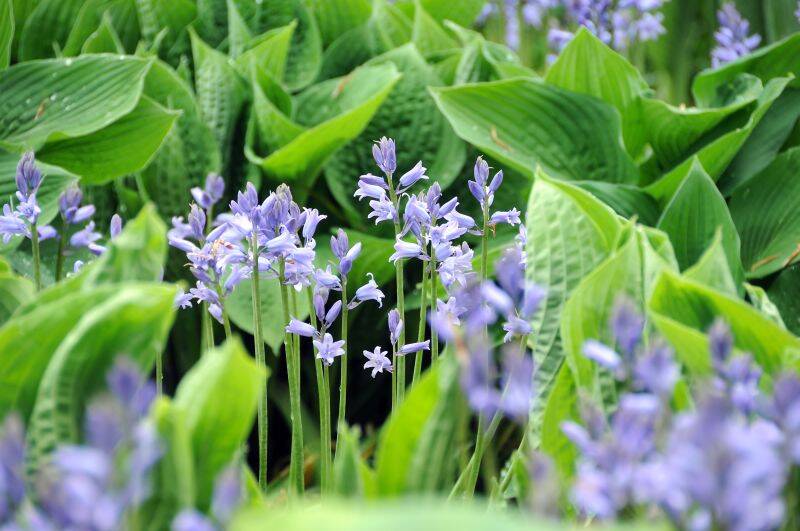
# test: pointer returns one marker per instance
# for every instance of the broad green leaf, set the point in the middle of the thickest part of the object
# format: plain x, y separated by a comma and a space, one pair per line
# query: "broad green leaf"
409, 116
346, 106
718, 153
560, 130
103, 40
389, 27
683, 310
220, 92
270, 52
59, 98
212, 23
169, 16
767, 138
346, 53
337, 17
760, 300
269, 123
219, 396
6, 31
626, 200
765, 212
239, 34
712, 268
134, 321
569, 234
427, 35
675, 132
765, 63
124, 147
463, 12
87, 21
305, 55
785, 293
347, 475
46, 28
189, 151
240, 310
562, 406
588, 66
402, 434
692, 218
14, 291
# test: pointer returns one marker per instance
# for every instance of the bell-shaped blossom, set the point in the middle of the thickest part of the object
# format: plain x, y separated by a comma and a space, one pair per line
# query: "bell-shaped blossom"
378, 361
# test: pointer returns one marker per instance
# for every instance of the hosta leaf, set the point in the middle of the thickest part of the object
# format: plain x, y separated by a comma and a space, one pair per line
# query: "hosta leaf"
626, 200
345, 107
765, 63
67, 97
6, 32
220, 92
219, 396
212, 20
766, 215
135, 321
411, 118
14, 291
759, 299
718, 153
347, 475
590, 67
172, 16
305, 54
86, 22
274, 129
337, 17
712, 268
785, 293
692, 218
270, 53
428, 36
389, 27
347, 52
124, 147
239, 33
767, 138
683, 310
569, 234
463, 13
523, 122
47, 27
103, 40
562, 406
189, 152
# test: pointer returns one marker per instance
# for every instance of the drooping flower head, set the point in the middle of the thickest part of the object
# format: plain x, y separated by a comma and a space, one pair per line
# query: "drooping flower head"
733, 39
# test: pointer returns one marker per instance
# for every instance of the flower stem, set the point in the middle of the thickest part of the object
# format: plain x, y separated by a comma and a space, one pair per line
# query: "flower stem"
226, 323
398, 361
62, 246
485, 244
423, 306
433, 300
208, 328
324, 397
261, 362
293, 376
469, 476
159, 373
343, 361
37, 274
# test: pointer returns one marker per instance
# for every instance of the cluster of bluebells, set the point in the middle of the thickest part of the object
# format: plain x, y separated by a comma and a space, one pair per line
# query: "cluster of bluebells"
20, 220
618, 23
227, 497
722, 465
95, 485
465, 316
732, 37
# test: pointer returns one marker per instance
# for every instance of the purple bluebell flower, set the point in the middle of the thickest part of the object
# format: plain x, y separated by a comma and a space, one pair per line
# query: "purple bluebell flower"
510, 217
412, 348
784, 410
183, 300
340, 244
602, 354
378, 361
367, 292
211, 193
12, 224
457, 267
28, 177
512, 24
228, 493
516, 327
115, 227
627, 325
656, 371
87, 237
732, 36
12, 461
395, 325
328, 349
313, 217
300, 328
326, 279
517, 384
192, 520
412, 176
404, 249
69, 204
383, 151
720, 343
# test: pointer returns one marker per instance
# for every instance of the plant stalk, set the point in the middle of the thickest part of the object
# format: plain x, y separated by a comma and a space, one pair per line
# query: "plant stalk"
261, 362
37, 273
62, 246
433, 300
421, 330
343, 361
399, 362
324, 398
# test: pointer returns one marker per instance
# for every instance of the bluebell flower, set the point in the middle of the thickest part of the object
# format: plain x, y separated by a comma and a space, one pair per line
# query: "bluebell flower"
404, 249
412, 348
383, 151
627, 325
367, 292
69, 204
326, 279
412, 176
328, 349
378, 361
28, 177
510, 217
87, 237
211, 193
18, 221
732, 36
395, 325
300, 328
115, 227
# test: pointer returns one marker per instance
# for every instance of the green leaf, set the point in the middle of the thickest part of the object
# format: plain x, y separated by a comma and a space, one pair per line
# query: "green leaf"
760, 300
305, 55
766, 215
239, 305
588, 66
562, 220
683, 310
718, 153
347, 474
785, 293
46, 28
767, 138
389, 27
59, 98
6, 32
409, 116
562, 406
692, 218
560, 132
712, 268
337, 17
239, 34
345, 107
347, 52
626, 200
103, 40
124, 147
135, 320
427, 35
189, 151
14, 291
765, 63
463, 13
219, 396
169, 16
270, 52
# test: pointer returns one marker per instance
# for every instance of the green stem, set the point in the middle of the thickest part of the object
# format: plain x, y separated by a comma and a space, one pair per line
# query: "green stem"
159, 373
261, 362
37, 274
324, 399
399, 361
226, 323
423, 306
485, 244
208, 328
62, 246
469, 476
434, 299
343, 361
293, 376
394, 378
